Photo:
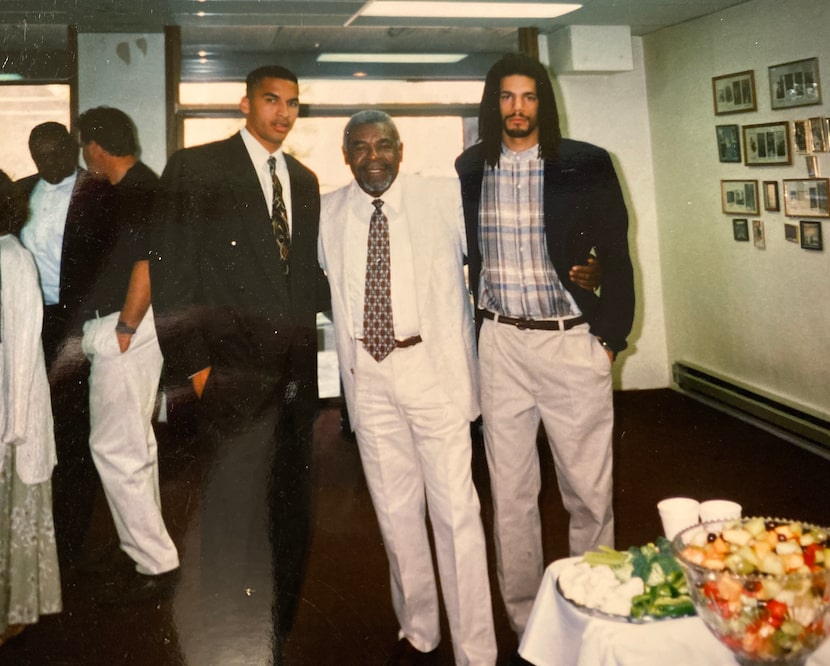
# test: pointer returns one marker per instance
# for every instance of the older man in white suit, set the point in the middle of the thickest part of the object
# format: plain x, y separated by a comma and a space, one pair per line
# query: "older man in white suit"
410, 382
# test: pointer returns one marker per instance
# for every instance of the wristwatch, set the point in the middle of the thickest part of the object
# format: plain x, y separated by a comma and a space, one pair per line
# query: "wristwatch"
123, 327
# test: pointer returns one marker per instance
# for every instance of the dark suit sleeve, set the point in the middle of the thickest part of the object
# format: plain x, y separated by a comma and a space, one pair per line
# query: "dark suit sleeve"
615, 313
175, 251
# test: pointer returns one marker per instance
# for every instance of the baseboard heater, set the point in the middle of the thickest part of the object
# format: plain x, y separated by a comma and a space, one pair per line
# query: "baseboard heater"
765, 411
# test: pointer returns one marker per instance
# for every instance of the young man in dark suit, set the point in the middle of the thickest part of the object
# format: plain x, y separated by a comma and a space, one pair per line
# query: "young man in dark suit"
69, 232
236, 289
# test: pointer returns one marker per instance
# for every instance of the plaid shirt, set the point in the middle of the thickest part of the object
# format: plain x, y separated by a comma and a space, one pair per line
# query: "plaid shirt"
517, 276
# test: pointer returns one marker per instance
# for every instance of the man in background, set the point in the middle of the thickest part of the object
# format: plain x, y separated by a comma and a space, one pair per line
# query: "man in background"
236, 289
393, 249
125, 362
536, 205
69, 233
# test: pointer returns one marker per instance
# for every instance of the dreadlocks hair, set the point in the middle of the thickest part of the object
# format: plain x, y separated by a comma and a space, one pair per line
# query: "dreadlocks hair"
489, 115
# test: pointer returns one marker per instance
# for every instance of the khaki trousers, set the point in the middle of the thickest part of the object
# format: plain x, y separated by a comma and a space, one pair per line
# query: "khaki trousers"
562, 378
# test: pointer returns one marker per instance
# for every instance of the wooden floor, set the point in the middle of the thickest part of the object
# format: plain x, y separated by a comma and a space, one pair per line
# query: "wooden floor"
665, 444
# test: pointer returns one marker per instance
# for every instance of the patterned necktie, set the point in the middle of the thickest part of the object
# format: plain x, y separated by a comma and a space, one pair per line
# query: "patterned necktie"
279, 215
378, 331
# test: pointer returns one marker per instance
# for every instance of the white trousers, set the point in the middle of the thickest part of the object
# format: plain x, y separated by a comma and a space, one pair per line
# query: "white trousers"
564, 379
416, 452
122, 394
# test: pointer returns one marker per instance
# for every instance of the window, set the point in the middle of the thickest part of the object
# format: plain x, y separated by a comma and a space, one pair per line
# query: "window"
22, 107
433, 119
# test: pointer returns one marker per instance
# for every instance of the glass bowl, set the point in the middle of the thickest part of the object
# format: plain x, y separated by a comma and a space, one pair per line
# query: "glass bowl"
761, 586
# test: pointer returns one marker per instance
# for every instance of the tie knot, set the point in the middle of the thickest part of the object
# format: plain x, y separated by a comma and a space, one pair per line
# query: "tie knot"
378, 204
272, 164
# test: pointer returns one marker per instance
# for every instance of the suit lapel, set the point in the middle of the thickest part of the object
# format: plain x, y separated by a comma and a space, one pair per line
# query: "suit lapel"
254, 216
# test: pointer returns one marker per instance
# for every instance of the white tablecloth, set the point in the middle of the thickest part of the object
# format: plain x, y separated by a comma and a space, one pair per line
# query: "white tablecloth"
558, 634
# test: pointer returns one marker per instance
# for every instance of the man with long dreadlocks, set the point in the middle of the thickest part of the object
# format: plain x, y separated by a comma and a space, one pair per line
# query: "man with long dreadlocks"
537, 206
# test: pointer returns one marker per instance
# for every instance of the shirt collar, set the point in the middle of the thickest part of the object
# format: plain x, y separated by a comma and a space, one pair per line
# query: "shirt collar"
526, 155
392, 198
66, 184
256, 150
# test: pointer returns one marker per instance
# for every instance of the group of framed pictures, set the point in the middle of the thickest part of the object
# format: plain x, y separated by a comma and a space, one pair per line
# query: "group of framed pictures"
803, 197
763, 143
790, 84
767, 144
807, 231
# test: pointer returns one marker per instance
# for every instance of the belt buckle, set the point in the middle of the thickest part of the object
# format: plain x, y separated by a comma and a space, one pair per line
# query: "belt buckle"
522, 324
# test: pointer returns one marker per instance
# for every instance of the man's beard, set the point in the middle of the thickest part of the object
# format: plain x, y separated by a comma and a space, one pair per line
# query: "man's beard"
517, 133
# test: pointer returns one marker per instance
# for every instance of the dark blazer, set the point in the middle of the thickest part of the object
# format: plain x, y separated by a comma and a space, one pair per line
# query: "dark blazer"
219, 293
583, 210
88, 239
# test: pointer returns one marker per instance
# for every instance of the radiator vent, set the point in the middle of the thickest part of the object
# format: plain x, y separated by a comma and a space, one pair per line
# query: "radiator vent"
765, 411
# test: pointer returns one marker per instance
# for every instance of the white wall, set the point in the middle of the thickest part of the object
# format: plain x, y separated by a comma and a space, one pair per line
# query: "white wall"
127, 71
761, 317
610, 110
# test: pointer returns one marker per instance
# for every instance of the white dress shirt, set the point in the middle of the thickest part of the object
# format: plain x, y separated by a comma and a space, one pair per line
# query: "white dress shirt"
259, 156
43, 233
402, 266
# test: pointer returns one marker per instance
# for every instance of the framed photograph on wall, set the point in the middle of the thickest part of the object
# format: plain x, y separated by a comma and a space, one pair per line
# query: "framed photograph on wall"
740, 229
794, 84
739, 196
811, 235
791, 233
767, 143
818, 132
802, 137
734, 93
812, 165
758, 234
771, 201
729, 143
806, 197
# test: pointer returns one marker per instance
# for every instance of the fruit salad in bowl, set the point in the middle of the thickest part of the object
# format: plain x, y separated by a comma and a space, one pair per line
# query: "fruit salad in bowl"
761, 586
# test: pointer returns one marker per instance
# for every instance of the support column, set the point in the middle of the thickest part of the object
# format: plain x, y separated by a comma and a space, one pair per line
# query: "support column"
529, 41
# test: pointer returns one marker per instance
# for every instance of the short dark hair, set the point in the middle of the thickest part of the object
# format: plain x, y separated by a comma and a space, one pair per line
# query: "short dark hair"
255, 77
14, 207
369, 117
50, 132
489, 113
110, 128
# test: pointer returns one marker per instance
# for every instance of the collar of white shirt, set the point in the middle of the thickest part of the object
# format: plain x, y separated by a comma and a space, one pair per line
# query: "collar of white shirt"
392, 200
257, 152
66, 184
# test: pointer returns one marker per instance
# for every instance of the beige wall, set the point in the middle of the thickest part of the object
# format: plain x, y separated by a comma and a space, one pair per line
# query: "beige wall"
127, 71
758, 316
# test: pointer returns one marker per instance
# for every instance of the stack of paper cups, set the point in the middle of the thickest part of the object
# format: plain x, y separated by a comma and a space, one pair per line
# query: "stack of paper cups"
678, 513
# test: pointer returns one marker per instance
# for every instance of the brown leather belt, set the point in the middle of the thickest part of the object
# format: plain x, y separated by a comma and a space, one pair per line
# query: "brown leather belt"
406, 342
535, 324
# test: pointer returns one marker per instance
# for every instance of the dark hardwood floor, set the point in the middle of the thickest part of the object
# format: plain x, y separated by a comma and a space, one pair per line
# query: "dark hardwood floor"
665, 444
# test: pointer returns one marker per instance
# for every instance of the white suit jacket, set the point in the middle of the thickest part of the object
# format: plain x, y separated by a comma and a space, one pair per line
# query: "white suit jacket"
25, 406
437, 237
